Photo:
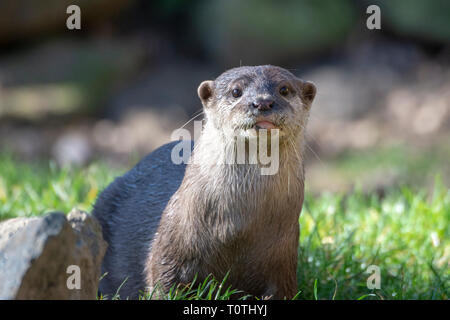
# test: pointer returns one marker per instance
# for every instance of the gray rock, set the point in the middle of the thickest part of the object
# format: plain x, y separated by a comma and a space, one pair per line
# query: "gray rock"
35, 255
9, 228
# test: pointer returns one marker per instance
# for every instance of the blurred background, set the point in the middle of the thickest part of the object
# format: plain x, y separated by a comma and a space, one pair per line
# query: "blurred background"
116, 89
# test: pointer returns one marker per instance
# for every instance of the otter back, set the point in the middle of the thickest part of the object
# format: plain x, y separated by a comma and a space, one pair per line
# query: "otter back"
129, 210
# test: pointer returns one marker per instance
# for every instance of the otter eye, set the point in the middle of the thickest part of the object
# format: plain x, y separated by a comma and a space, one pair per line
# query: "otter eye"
236, 92
284, 91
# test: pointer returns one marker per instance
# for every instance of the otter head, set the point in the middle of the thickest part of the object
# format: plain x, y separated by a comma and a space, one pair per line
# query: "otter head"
257, 97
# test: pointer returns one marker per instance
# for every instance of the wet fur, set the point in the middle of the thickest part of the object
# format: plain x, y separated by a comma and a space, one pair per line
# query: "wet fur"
165, 223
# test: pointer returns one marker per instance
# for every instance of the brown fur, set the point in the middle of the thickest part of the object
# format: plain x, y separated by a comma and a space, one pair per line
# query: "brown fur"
230, 217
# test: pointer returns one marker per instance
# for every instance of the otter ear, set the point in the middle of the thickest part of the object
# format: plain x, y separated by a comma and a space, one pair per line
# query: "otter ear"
205, 91
308, 90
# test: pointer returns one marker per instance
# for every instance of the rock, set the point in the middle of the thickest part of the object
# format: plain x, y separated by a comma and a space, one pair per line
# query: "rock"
9, 229
36, 253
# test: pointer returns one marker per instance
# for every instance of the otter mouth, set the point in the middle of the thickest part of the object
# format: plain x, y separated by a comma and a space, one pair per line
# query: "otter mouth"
265, 124
262, 123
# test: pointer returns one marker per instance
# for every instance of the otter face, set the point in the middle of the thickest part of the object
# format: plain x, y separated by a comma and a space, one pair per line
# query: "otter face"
260, 97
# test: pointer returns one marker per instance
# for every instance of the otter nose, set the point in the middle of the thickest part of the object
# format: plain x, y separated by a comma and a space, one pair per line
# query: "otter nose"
263, 104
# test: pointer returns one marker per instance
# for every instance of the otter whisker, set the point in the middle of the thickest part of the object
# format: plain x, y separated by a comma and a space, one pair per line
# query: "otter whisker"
195, 116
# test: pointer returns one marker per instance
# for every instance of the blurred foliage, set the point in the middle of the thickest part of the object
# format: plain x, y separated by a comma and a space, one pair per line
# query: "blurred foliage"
262, 31
383, 166
230, 28
425, 20
66, 78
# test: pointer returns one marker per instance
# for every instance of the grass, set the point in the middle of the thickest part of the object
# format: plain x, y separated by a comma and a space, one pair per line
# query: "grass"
405, 233
37, 188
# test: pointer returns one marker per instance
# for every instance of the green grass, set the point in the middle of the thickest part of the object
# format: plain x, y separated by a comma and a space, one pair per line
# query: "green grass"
30, 189
405, 233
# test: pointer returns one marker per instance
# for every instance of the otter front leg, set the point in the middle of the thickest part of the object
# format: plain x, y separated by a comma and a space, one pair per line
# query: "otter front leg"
280, 291
270, 292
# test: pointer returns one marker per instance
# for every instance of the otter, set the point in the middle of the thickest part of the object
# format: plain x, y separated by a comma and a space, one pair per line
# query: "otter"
168, 223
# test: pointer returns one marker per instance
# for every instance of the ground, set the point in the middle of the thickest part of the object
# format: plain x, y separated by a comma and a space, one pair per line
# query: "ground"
403, 230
